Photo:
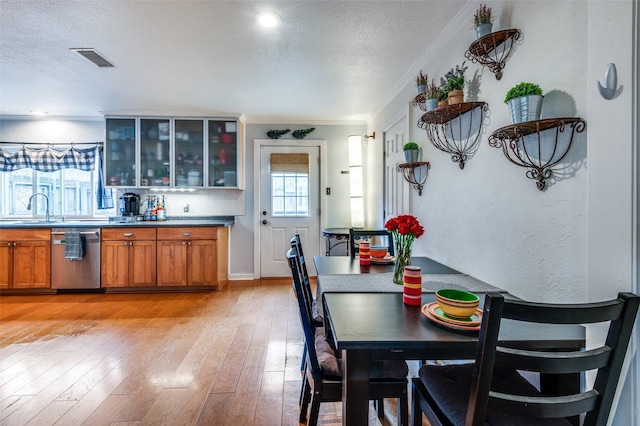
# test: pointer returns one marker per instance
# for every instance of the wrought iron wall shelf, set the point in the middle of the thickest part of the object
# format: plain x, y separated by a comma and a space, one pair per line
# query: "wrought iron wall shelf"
420, 101
493, 50
512, 141
408, 172
460, 142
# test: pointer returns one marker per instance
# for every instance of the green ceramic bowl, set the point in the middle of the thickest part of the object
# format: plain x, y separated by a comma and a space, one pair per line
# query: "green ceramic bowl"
457, 303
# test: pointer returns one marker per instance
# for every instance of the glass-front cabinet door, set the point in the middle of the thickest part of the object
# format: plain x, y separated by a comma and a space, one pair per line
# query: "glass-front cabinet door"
155, 144
189, 152
223, 153
176, 152
120, 149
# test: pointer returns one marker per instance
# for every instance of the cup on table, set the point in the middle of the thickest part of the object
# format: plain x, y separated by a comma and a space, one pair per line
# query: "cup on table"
412, 285
364, 250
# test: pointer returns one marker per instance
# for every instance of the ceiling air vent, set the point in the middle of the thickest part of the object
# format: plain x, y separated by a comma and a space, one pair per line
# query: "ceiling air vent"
93, 56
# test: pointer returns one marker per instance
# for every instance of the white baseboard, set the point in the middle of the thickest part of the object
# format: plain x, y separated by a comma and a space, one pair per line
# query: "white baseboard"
239, 277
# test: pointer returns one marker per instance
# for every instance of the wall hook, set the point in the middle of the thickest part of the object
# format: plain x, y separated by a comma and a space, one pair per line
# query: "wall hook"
611, 77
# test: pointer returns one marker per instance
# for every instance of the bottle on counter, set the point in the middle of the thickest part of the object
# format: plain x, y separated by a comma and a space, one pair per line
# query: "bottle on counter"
147, 213
154, 209
162, 211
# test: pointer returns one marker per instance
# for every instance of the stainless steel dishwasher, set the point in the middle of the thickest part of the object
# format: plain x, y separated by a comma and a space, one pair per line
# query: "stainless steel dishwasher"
75, 274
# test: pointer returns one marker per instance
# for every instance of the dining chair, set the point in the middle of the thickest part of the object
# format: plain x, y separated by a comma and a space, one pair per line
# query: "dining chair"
492, 391
297, 244
355, 234
323, 375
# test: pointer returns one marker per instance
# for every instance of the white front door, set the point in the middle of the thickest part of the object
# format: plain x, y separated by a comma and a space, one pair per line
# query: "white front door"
396, 189
289, 205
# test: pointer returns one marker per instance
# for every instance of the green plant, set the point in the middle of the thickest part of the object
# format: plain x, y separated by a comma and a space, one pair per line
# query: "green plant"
422, 79
482, 15
454, 78
522, 89
443, 91
411, 145
433, 91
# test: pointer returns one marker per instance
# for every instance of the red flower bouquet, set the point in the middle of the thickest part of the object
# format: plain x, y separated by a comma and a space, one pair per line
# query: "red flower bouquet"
405, 229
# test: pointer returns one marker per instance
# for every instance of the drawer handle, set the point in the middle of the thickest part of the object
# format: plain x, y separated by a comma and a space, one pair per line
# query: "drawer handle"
186, 234
128, 234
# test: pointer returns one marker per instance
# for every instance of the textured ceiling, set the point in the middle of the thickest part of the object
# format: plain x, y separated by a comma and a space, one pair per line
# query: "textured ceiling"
328, 61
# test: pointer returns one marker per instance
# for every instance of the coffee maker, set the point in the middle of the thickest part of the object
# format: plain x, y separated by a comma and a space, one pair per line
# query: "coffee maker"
130, 204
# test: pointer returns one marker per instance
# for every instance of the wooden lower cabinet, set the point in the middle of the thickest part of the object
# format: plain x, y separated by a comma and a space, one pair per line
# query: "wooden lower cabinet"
164, 257
187, 256
25, 258
128, 257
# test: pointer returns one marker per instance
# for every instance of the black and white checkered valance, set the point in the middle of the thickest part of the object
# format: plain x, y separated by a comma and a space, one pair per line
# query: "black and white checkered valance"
48, 159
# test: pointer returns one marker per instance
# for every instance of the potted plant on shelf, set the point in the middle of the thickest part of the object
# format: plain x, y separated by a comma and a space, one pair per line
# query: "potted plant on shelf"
422, 81
483, 21
433, 95
454, 82
412, 152
443, 94
525, 102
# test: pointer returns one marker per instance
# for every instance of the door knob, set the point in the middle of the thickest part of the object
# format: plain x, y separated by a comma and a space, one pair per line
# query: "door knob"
264, 222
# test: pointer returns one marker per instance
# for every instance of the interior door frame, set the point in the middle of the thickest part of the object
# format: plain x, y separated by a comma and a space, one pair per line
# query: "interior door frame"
403, 114
322, 167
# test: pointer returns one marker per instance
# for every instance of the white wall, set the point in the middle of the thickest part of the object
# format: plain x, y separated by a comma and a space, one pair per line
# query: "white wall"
610, 261
573, 241
489, 219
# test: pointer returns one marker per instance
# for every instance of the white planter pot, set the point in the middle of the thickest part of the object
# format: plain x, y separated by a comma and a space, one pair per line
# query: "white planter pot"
525, 108
483, 30
413, 155
431, 104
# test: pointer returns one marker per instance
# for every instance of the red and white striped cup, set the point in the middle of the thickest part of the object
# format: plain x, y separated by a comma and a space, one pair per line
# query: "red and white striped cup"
364, 250
412, 285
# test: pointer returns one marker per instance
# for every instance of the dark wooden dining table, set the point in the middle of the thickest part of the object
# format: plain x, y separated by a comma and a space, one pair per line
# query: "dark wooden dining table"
366, 326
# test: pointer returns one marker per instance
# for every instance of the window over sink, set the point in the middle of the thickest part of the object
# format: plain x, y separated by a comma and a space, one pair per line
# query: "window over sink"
71, 193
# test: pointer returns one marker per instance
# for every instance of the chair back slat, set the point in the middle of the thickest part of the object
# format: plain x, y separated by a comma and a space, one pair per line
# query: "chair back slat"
543, 407
553, 362
586, 313
359, 233
607, 359
304, 308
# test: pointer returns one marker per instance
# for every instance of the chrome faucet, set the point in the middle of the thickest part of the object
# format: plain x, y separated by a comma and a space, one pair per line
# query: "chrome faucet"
45, 197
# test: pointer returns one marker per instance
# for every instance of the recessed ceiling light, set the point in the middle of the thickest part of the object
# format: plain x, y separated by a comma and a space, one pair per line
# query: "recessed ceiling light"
268, 19
36, 112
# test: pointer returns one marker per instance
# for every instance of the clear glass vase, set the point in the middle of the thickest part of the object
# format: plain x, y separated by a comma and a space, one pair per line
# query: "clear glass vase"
403, 258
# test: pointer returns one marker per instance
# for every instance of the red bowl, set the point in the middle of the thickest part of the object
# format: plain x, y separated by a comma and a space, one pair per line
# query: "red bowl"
378, 251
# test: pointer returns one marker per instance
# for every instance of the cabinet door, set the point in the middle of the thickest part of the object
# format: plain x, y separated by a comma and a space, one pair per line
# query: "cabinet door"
202, 262
6, 263
143, 264
155, 141
120, 149
223, 153
115, 263
172, 263
189, 152
32, 264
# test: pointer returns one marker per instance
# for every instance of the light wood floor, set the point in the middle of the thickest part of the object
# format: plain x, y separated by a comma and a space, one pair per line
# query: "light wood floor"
222, 358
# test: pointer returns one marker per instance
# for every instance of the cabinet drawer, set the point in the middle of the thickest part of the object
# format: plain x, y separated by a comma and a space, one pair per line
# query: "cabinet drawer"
188, 233
25, 234
127, 233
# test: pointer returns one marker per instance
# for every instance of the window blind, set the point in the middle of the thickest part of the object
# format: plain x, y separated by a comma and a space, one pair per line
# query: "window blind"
292, 163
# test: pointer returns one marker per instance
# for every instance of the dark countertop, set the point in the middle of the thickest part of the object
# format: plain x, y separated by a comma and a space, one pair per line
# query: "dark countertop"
105, 223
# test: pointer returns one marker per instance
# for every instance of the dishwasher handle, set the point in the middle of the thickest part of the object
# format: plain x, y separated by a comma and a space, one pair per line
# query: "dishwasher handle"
96, 233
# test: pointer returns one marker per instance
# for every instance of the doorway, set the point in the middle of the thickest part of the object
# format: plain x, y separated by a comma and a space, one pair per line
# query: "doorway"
288, 202
396, 196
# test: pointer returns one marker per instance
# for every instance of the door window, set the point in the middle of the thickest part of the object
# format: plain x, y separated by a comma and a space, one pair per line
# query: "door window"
289, 185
